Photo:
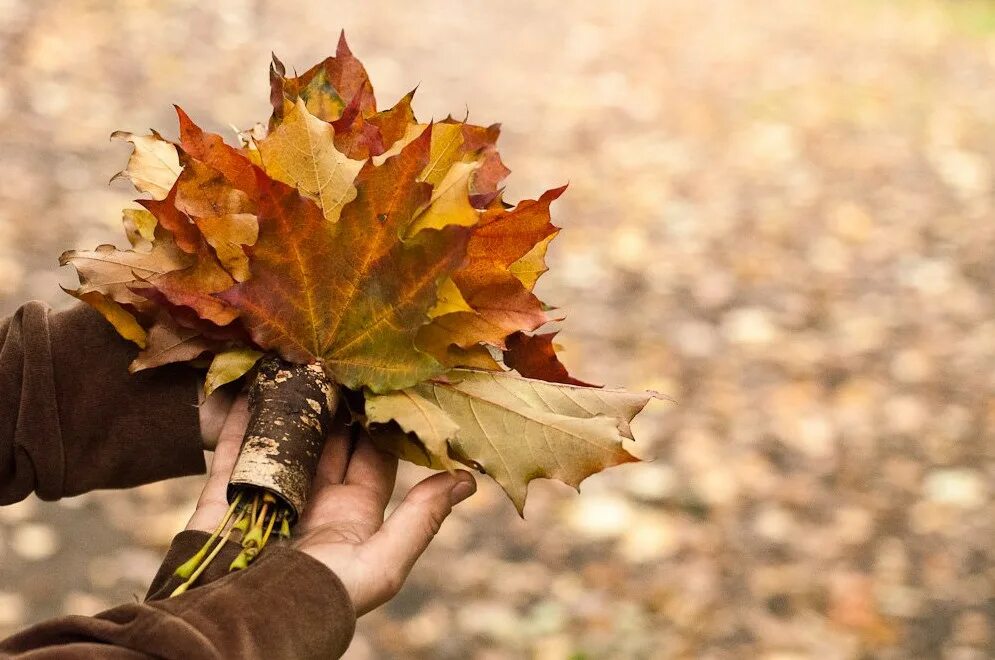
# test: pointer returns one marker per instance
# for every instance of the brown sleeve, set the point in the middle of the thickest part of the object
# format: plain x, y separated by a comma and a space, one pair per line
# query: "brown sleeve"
183, 547
286, 605
73, 419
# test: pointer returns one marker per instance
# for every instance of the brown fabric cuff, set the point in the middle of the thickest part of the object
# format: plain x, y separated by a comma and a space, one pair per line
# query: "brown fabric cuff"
184, 546
285, 605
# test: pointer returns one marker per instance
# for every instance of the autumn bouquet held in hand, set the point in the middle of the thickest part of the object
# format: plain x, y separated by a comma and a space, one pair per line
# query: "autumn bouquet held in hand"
357, 267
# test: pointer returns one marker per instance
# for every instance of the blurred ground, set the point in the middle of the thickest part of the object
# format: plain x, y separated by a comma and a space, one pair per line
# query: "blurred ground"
780, 213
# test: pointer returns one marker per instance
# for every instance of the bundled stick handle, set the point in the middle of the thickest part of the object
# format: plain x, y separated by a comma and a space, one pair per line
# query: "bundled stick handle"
291, 408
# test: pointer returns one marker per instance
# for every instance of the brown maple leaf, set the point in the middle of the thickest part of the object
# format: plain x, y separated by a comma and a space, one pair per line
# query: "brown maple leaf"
534, 356
326, 88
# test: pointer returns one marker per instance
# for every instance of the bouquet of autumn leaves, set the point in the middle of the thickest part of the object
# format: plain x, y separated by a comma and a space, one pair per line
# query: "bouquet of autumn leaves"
346, 254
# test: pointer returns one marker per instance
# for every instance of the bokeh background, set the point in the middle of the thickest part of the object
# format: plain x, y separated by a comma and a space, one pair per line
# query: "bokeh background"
780, 213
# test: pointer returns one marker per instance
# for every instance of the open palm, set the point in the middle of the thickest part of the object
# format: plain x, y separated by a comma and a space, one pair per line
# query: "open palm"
343, 526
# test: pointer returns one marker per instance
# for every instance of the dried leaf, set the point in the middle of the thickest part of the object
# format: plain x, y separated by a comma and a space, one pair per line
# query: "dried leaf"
123, 321
167, 343
450, 203
529, 268
437, 341
195, 287
139, 228
211, 150
325, 88
501, 303
228, 366
349, 293
301, 152
434, 428
390, 438
533, 356
518, 429
228, 234
153, 165
449, 300
447, 150
176, 222
117, 273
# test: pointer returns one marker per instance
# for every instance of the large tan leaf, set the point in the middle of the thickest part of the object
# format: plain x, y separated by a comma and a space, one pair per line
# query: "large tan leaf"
518, 429
154, 163
301, 152
414, 414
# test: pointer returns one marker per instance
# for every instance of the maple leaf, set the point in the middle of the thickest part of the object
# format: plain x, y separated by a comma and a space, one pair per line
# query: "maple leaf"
517, 429
212, 150
153, 165
112, 280
325, 88
229, 365
361, 137
500, 302
436, 340
301, 152
139, 228
534, 356
169, 342
529, 268
116, 314
350, 294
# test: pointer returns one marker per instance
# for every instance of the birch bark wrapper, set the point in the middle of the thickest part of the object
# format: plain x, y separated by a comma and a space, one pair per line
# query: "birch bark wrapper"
292, 408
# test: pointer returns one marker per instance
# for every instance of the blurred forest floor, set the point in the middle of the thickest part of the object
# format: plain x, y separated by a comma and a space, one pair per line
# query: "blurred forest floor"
780, 213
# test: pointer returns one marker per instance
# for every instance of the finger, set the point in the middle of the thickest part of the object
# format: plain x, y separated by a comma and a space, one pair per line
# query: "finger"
213, 502
415, 522
213, 412
333, 462
372, 470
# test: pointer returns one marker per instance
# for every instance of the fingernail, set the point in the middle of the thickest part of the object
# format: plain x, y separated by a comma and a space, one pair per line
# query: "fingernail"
462, 490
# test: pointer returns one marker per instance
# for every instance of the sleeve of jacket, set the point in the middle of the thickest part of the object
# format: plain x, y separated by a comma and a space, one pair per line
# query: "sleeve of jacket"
285, 605
72, 419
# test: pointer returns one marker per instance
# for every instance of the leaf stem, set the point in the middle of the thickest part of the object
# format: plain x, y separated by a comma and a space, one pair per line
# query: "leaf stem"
186, 569
207, 562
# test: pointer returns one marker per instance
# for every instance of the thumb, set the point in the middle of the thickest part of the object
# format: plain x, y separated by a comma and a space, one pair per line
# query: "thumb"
415, 522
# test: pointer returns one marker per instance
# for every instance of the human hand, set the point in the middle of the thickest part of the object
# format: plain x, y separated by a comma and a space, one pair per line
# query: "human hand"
343, 526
